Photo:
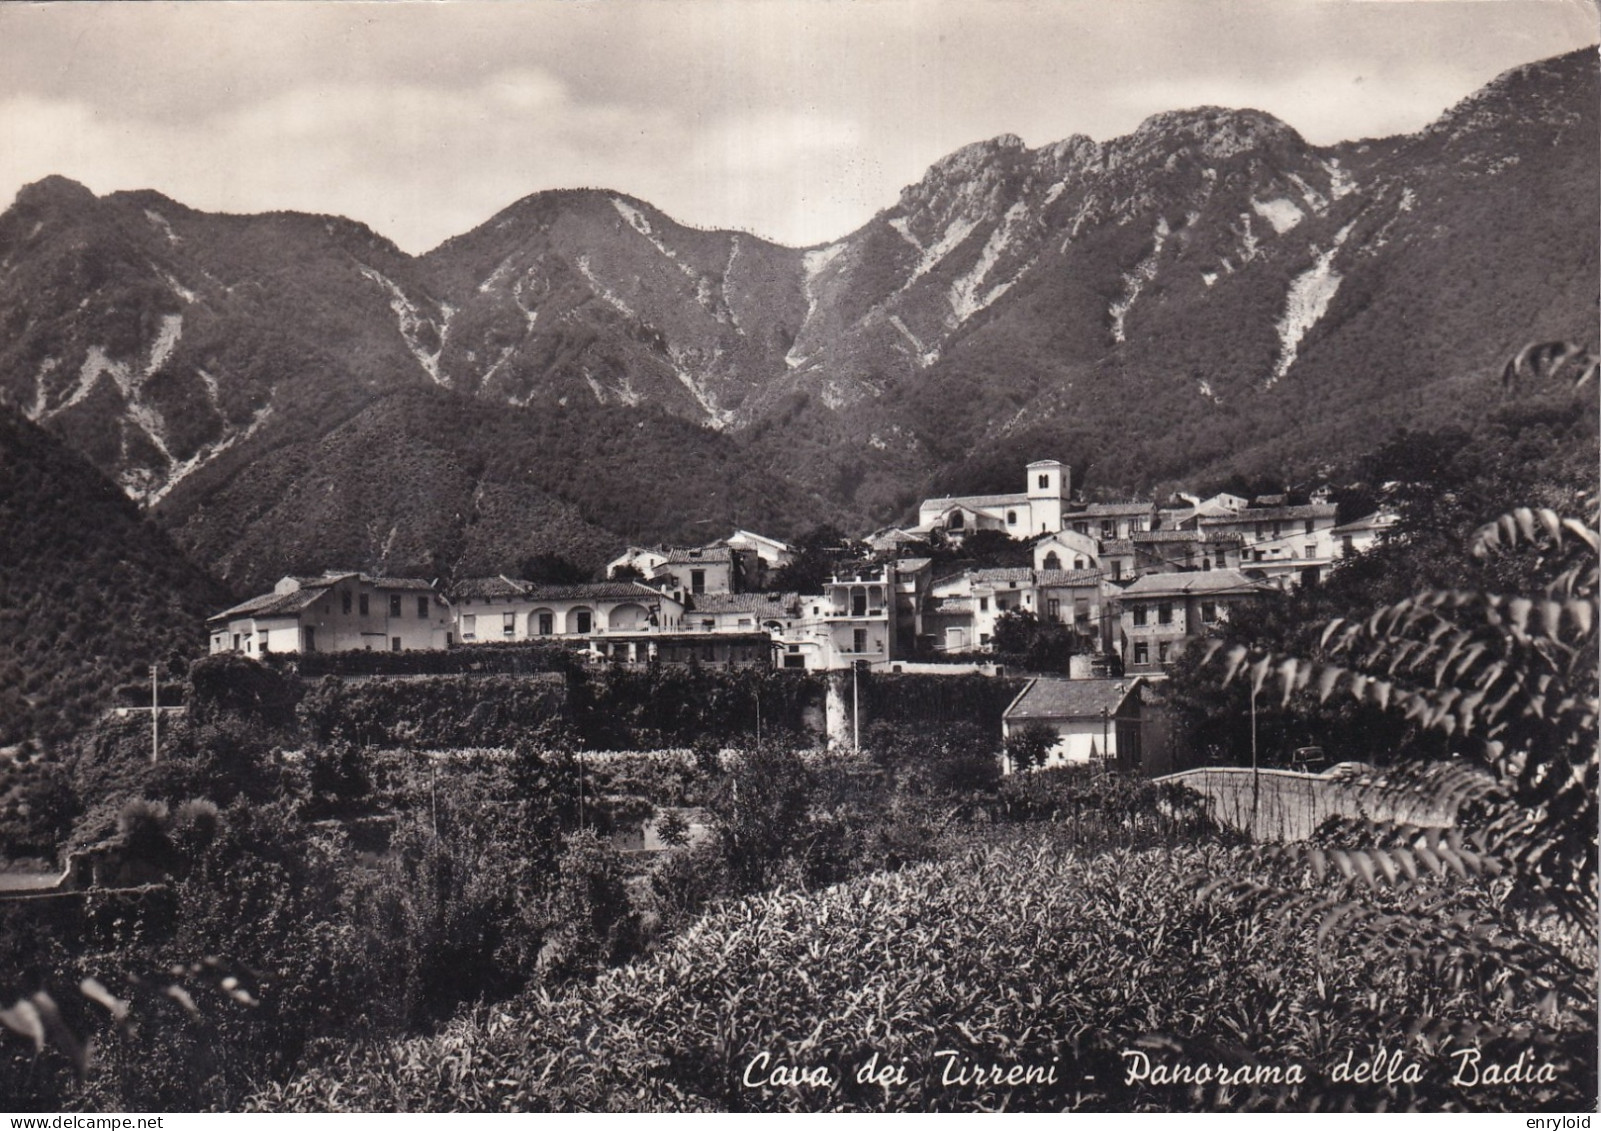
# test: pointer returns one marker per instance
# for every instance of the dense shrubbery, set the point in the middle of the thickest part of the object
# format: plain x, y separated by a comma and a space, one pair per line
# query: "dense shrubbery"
1019, 954
478, 659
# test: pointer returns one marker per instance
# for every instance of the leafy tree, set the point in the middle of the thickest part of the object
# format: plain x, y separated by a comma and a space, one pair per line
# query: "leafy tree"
1029, 746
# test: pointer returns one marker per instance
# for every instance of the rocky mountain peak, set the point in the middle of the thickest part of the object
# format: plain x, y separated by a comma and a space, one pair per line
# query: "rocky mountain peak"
1220, 132
53, 192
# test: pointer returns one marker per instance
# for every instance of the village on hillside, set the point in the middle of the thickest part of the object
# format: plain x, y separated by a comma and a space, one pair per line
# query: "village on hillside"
1117, 589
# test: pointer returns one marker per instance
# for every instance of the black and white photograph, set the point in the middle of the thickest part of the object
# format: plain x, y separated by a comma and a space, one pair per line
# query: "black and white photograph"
780, 556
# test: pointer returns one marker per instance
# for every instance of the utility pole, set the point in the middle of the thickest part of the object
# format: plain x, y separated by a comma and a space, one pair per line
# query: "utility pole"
856, 707
155, 716
1256, 773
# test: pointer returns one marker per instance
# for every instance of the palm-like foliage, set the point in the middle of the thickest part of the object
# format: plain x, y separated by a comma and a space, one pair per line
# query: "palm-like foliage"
1511, 679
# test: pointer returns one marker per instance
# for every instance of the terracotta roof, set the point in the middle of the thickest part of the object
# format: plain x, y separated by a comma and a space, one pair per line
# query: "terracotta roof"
1165, 536
948, 605
1071, 698
593, 591
1260, 514
410, 583
1001, 576
1070, 577
977, 500
1199, 582
484, 588
712, 554
911, 565
1098, 509
1117, 546
761, 604
275, 604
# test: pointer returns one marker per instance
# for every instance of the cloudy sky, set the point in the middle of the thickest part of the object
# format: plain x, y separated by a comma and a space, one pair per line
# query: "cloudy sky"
795, 119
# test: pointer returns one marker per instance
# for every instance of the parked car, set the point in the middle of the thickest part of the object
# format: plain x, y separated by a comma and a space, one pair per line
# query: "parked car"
1309, 760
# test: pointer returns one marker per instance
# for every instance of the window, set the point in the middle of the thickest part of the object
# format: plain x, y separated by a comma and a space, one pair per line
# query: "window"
309, 638
344, 602
1347, 544
1052, 561
1117, 571
508, 624
469, 626
708, 624
422, 608
1080, 563
859, 640
795, 661
1081, 528
394, 604
1081, 611
547, 624
1309, 526
1164, 613
583, 621
983, 604
1053, 609
1139, 614
745, 622
266, 642
697, 582
364, 604
1011, 518
1208, 612
1142, 652
956, 521
236, 641
1161, 652
1108, 528
394, 643
1045, 482
450, 639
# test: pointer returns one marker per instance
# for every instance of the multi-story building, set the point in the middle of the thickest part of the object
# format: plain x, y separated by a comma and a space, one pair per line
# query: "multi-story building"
708, 569
1285, 545
337, 612
501, 609
852, 620
1163, 612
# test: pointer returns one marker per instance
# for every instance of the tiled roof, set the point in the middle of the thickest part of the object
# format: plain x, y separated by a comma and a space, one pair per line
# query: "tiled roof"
1117, 546
712, 554
1206, 581
1070, 577
410, 583
1070, 698
946, 606
992, 576
761, 604
1260, 514
1109, 509
976, 500
276, 604
485, 588
1164, 536
593, 591
911, 565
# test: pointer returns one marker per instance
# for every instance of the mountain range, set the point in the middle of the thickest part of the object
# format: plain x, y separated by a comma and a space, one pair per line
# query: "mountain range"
1208, 296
